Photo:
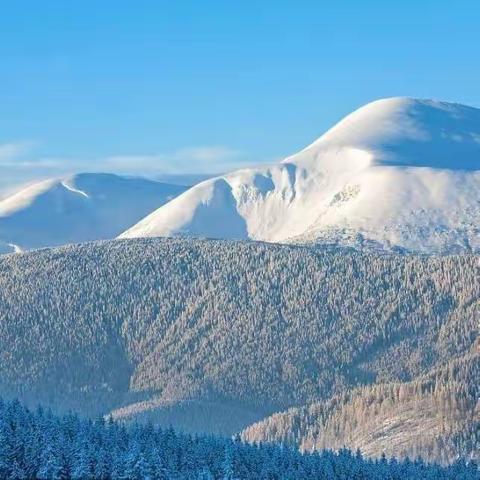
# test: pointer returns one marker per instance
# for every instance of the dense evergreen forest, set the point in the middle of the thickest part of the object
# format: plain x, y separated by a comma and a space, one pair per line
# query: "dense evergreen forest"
215, 336
39, 445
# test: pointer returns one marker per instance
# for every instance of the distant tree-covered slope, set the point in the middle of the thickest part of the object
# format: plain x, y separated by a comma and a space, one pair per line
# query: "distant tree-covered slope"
436, 416
216, 335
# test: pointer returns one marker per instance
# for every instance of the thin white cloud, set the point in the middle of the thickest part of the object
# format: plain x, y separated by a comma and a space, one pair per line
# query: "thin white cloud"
20, 163
208, 154
12, 153
200, 159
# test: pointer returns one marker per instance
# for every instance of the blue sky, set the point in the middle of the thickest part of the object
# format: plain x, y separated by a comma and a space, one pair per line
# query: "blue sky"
155, 87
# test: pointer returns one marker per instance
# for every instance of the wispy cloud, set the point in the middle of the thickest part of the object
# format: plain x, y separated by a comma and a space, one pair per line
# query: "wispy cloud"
12, 153
20, 162
200, 159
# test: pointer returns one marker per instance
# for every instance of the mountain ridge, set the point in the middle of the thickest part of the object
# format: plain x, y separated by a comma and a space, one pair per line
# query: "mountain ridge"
400, 173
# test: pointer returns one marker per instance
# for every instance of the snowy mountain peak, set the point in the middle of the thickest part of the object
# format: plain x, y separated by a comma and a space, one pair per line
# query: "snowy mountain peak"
406, 132
398, 173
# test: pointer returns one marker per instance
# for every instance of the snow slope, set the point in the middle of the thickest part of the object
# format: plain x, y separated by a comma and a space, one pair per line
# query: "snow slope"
398, 173
87, 206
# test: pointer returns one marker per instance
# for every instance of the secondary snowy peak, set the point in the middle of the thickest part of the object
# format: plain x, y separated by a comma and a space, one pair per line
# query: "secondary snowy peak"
86, 206
398, 173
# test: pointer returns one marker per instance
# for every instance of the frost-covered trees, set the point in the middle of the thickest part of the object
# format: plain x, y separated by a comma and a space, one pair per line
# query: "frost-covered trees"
435, 416
109, 451
216, 335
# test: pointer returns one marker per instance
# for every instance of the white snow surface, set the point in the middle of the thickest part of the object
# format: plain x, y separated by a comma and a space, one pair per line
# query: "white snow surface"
86, 206
397, 174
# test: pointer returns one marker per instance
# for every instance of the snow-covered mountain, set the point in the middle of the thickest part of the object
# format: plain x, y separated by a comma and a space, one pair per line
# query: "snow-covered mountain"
87, 206
398, 173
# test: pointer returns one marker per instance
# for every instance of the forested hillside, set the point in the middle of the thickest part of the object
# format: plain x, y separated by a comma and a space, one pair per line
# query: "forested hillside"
436, 416
42, 446
216, 335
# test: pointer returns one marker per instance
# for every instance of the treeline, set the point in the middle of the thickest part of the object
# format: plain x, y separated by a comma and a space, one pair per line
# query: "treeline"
40, 445
436, 416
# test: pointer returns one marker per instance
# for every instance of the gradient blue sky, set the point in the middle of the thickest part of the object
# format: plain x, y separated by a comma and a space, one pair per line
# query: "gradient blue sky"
201, 86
